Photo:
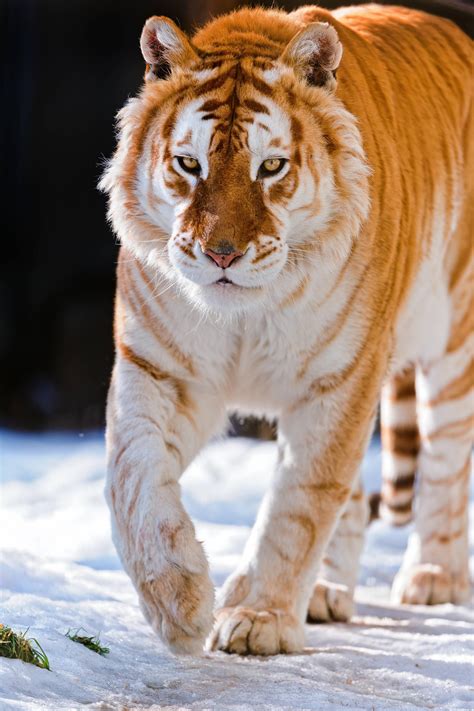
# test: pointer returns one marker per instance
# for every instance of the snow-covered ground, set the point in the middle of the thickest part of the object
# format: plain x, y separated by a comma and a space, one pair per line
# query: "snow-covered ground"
60, 571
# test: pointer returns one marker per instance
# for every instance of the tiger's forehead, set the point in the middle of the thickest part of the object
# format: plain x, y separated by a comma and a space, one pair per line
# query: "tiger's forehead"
233, 111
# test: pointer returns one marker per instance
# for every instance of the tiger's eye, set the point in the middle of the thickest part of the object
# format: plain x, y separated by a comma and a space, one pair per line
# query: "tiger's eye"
190, 165
271, 166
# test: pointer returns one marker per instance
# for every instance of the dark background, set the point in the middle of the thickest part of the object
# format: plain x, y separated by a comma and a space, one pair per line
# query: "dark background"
67, 66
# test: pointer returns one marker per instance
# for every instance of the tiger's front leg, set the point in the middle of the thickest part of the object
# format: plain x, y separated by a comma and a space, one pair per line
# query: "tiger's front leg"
155, 426
263, 606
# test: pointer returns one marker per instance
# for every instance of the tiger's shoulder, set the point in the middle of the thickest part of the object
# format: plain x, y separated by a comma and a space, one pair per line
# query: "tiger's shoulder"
379, 24
405, 42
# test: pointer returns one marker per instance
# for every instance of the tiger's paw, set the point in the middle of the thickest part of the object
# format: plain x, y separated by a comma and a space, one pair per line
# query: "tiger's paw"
428, 584
178, 604
242, 630
330, 601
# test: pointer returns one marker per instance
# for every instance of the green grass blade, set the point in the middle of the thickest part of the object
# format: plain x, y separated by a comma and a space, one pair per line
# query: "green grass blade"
92, 643
15, 645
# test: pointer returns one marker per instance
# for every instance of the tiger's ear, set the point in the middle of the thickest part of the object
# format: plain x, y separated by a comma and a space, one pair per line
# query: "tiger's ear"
315, 54
164, 46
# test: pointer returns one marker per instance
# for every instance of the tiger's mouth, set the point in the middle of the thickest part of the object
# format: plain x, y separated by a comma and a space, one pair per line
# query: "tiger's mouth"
225, 280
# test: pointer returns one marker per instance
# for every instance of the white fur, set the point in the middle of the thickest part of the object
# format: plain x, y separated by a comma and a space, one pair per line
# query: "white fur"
428, 304
395, 465
401, 413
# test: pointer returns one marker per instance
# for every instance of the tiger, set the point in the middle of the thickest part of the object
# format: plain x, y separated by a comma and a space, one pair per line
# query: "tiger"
293, 194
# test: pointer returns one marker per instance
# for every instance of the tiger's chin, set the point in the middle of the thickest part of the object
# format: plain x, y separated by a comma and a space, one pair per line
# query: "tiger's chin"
225, 297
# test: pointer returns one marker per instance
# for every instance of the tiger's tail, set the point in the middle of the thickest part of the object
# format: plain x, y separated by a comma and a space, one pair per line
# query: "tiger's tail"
400, 446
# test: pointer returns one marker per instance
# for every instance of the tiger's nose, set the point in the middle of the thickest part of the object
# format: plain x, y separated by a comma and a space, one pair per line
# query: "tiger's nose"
224, 255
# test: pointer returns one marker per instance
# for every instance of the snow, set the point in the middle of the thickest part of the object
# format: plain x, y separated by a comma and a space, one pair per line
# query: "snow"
60, 571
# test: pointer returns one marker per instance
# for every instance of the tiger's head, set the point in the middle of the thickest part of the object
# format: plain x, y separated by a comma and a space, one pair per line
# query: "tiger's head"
238, 171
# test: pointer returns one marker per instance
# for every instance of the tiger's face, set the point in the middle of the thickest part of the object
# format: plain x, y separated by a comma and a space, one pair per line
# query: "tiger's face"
233, 166
238, 182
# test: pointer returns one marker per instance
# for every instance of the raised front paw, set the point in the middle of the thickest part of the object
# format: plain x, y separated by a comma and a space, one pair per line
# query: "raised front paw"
178, 604
242, 630
428, 584
329, 602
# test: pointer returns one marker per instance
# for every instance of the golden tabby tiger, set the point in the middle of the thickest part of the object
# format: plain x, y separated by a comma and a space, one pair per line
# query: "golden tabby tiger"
294, 198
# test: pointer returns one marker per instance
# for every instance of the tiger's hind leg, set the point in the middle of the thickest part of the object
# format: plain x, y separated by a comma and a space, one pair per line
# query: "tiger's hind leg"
435, 567
400, 445
333, 594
